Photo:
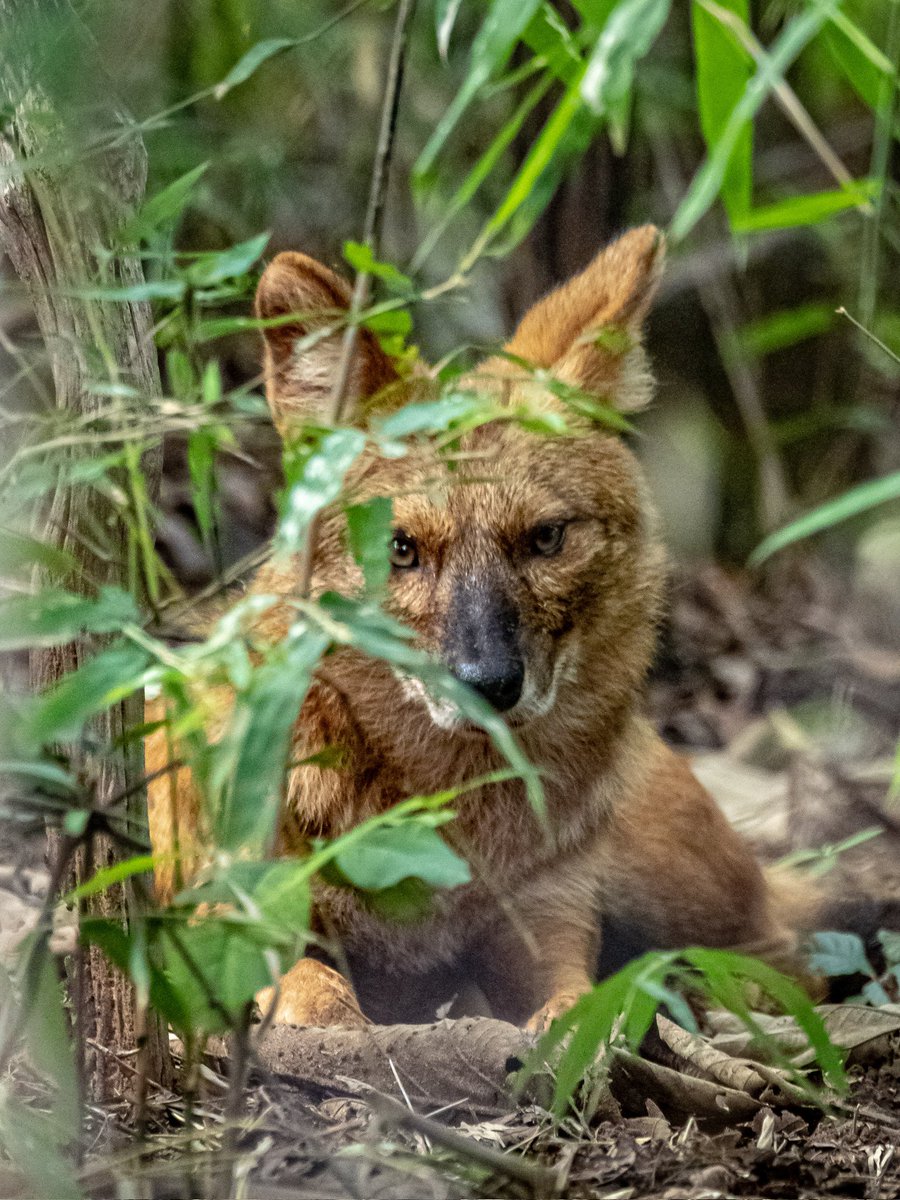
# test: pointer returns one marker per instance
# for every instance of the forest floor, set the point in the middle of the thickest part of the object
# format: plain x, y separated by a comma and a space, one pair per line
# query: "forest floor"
788, 710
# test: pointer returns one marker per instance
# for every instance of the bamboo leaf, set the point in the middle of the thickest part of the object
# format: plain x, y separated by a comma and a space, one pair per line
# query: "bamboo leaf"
630, 30
250, 62
491, 48
723, 70
163, 208
445, 14
858, 500
796, 34
803, 210
315, 472
54, 617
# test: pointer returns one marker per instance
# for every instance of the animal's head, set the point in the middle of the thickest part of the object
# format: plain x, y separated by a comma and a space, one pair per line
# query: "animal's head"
529, 564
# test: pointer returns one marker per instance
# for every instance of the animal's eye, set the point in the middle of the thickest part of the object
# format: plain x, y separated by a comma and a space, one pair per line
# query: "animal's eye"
404, 551
548, 539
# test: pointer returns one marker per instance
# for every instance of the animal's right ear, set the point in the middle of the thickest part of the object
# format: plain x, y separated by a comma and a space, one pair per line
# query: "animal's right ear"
306, 298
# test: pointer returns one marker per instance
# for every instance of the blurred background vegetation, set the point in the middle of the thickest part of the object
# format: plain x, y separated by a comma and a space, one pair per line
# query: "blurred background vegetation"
770, 402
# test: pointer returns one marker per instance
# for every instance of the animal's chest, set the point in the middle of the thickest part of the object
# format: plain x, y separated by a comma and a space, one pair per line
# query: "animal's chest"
506, 846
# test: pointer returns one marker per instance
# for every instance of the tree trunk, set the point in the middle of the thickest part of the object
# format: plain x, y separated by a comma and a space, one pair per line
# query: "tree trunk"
61, 201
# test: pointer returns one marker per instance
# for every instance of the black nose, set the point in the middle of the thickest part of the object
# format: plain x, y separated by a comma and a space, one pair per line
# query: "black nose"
499, 682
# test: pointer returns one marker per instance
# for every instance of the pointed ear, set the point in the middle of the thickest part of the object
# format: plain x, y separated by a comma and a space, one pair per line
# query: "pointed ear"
588, 331
299, 369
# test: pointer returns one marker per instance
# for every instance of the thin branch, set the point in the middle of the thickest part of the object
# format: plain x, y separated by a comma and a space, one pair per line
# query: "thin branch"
372, 238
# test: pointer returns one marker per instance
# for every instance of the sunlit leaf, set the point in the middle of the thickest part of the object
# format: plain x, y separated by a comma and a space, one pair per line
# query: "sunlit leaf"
630, 30
361, 259
315, 475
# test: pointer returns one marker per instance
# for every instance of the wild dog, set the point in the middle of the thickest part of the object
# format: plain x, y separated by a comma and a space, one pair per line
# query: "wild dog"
536, 576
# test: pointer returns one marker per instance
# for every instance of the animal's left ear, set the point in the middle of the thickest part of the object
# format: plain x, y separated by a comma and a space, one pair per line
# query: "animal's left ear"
302, 298
588, 331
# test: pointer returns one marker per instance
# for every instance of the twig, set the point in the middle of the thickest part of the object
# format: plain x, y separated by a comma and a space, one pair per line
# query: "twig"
544, 1181
371, 238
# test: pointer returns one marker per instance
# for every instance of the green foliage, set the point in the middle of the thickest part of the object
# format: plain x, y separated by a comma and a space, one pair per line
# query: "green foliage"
622, 1008
521, 94
837, 954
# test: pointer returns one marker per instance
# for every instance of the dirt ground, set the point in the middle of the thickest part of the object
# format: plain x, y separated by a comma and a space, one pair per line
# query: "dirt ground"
789, 709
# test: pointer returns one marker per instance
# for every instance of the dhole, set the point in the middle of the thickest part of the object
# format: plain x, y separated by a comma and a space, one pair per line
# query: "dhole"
535, 573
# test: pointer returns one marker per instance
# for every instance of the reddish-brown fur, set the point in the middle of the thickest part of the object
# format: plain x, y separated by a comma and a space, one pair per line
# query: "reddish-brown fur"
632, 834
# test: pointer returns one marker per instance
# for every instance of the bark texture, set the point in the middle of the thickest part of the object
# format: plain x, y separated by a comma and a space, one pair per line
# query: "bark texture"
71, 173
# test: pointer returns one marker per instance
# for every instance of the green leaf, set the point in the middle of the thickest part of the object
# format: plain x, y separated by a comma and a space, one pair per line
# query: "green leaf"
32, 1141
890, 944
788, 994
225, 264
858, 500
785, 328
491, 48
857, 57
253, 753
360, 257
706, 184
163, 208
43, 773
119, 948
54, 617
151, 289
61, 713
315, 475
201, 458
836, 953
432, 416
630, 30
387, 854
804, 210
18, 550
723, 70
215, 968
108, 877
249, 62
445, 13
369, 533
564, 134
48, 1044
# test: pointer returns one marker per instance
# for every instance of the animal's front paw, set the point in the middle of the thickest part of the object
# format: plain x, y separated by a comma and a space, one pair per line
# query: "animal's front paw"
556, 1006
311, 993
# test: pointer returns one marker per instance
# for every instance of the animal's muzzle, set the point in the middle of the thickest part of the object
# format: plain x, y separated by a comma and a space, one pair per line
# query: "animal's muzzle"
481, 646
